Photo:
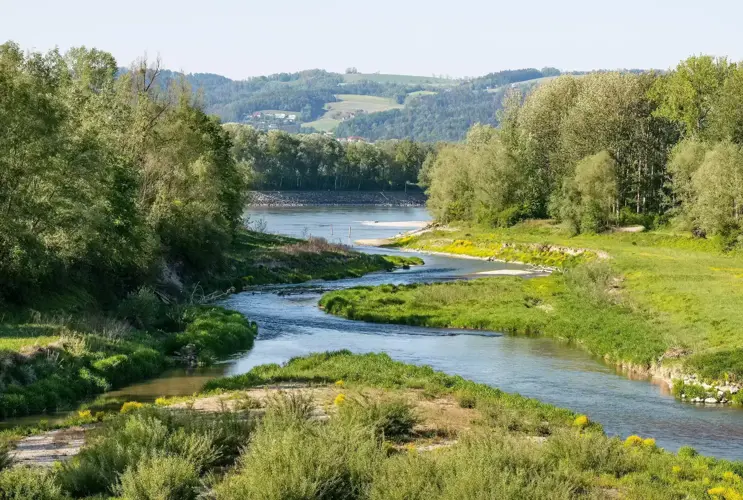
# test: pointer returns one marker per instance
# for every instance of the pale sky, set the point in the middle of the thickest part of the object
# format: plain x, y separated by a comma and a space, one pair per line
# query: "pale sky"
245, 38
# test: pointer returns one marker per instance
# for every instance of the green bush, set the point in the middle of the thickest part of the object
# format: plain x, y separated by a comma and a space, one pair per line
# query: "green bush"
215, 332
29, 483
141, 308
389, 419
592, 280
127, 440
160, 478
299, 458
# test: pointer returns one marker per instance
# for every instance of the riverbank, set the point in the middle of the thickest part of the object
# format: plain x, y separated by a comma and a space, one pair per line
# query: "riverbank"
677, 298
53, 360
335, 198
365, 427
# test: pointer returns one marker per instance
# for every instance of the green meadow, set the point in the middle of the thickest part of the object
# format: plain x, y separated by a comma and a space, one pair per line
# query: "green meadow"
631, 297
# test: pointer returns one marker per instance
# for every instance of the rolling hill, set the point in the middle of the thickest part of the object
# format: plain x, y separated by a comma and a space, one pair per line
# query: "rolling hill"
370, 105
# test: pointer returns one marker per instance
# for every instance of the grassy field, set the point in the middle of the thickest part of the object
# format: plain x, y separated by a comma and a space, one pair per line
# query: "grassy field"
365, 427
350, 103
401, 79
683, 295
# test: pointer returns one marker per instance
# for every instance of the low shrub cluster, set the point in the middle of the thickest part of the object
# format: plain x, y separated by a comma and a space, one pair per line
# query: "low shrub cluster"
520, 448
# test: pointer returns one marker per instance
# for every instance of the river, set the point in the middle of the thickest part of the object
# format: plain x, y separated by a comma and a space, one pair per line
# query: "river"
290, 324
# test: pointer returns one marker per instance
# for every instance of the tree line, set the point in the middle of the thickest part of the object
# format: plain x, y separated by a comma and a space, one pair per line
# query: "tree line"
603, 149
277, 160
105, 176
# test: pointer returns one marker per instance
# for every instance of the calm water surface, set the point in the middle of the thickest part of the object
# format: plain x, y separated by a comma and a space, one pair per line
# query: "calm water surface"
292, 325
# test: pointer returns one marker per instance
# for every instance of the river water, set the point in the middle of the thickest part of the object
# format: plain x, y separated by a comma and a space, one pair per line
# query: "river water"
290, 324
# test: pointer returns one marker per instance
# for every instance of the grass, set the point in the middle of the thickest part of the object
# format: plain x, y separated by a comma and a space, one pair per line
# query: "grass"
14, 337
261, 258
512, 447
350, 103
684, 293
540, 306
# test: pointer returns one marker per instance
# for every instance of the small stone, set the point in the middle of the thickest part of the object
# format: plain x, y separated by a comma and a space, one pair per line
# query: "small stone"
710, 401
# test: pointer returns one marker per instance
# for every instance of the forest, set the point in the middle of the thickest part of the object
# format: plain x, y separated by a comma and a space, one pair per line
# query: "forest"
606, 149
445, 113
282, 161
104, 177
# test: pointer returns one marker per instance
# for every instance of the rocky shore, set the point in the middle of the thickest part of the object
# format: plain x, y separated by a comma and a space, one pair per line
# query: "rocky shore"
335, 198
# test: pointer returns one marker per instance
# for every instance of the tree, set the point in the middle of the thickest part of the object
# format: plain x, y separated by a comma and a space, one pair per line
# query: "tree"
688, 94
718, 187
589, 199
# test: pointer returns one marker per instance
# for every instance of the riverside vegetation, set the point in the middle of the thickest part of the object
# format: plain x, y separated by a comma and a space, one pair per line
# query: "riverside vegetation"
122, 215
363, 427
656, 302
653, 151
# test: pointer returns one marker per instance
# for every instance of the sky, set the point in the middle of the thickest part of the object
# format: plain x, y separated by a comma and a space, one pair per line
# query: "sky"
458, 38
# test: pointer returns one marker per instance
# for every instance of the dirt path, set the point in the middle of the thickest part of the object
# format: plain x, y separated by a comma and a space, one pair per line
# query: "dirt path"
50, 447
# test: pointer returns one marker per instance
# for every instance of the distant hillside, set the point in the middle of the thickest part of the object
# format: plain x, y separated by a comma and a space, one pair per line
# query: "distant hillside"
370, 105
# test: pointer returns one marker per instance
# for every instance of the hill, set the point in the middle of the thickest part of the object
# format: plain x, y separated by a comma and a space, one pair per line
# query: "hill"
370, 105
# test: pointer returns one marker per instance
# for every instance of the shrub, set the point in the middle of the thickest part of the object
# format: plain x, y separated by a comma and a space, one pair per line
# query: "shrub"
633, 440
297, 458
160, 478
131, 406
141, 308
215, 332
592, 280
29, 483
129, 439
687, 452
389, 419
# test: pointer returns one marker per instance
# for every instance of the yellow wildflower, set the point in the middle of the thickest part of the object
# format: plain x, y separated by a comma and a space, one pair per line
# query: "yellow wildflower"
161, 402
731, 476
581, 421
339, 399
339, 383
648, 443
633, 440
85, 414
676, 469
131, 406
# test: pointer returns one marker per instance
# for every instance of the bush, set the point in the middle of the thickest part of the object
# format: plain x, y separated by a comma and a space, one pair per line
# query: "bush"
141, 308
29, 483
160, 478
298, 458
215, 332
592, 280
389, 419
128, 439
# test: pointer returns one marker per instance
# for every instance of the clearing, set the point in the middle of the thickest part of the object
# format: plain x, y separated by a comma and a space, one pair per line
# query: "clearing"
349, 106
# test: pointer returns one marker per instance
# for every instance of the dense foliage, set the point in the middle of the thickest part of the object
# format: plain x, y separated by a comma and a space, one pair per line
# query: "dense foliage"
278, 160
603, 149
102, 178
443, 116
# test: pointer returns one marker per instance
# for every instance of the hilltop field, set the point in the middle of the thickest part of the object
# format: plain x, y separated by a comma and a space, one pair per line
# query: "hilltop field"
347, 107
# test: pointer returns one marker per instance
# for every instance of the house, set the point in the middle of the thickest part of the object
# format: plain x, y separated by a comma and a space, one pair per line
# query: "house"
280, 116
292, 117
